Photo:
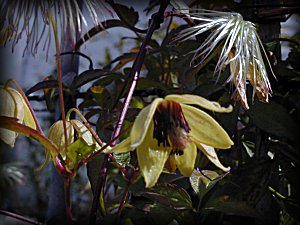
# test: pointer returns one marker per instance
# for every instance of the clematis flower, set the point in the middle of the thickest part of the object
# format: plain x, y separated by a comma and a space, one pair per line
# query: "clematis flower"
239, 45
13, 105
167, 133
25, 17
80, 143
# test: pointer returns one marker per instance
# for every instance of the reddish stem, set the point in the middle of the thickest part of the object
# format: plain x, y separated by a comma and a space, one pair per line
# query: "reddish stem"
19, 217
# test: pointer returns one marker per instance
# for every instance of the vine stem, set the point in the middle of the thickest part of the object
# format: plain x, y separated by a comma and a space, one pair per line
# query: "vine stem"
19, 217
67, 186
59, 78
155, 22
67, 180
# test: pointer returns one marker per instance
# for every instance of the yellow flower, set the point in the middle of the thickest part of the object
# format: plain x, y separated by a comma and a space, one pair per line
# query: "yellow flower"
13, 105
80, 143
168, 132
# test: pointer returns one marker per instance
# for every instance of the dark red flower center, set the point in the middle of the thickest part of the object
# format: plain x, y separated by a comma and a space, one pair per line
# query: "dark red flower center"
170, 126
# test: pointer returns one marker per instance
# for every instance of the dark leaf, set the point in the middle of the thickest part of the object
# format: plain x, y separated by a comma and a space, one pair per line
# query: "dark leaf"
274, 119
129, 14
42, 85
90, 75
230, 206
170, 195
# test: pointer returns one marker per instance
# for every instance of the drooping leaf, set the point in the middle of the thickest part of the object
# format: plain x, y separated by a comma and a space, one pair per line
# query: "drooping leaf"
170, 195
42, 85
90, 75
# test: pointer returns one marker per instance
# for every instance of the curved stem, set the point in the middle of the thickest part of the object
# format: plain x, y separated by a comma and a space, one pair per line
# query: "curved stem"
86, 124
91, 66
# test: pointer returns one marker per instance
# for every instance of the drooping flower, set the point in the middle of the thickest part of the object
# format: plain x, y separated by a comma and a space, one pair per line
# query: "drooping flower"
13, 105
167, 133
240, 47
80, 143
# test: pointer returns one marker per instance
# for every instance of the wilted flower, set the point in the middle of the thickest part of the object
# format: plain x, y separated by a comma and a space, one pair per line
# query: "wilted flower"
80, 143
167, 133
13, 105
32, 18
240, 47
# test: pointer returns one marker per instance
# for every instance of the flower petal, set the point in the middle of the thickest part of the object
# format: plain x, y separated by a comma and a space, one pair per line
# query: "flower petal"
122, 147
200, 101
212, 156
186, 162
11, 106
151, 158
204, 129
142, 122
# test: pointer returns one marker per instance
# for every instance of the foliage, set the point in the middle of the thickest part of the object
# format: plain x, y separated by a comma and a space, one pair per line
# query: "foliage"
264, 159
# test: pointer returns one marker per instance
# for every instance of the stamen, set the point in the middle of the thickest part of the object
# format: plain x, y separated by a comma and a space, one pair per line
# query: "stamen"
170, 126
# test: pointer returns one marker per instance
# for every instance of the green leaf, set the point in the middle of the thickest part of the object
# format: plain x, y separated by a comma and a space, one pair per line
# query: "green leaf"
145, 83
230, 207
274, 119
78, 150
203, 181
170, 195
122, 158
129, 14
90, 75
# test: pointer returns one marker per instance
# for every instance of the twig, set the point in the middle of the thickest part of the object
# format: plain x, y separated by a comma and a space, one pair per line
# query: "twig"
19, 217
67, 186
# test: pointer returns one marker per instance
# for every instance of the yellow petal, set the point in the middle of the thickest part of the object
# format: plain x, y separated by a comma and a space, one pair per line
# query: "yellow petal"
212, 156
151, 158
19, 110
200, 101
11, 106
28, 118
83, 132
56, 135
142, 122
122, 147
204, 129
186, 162
170, 165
